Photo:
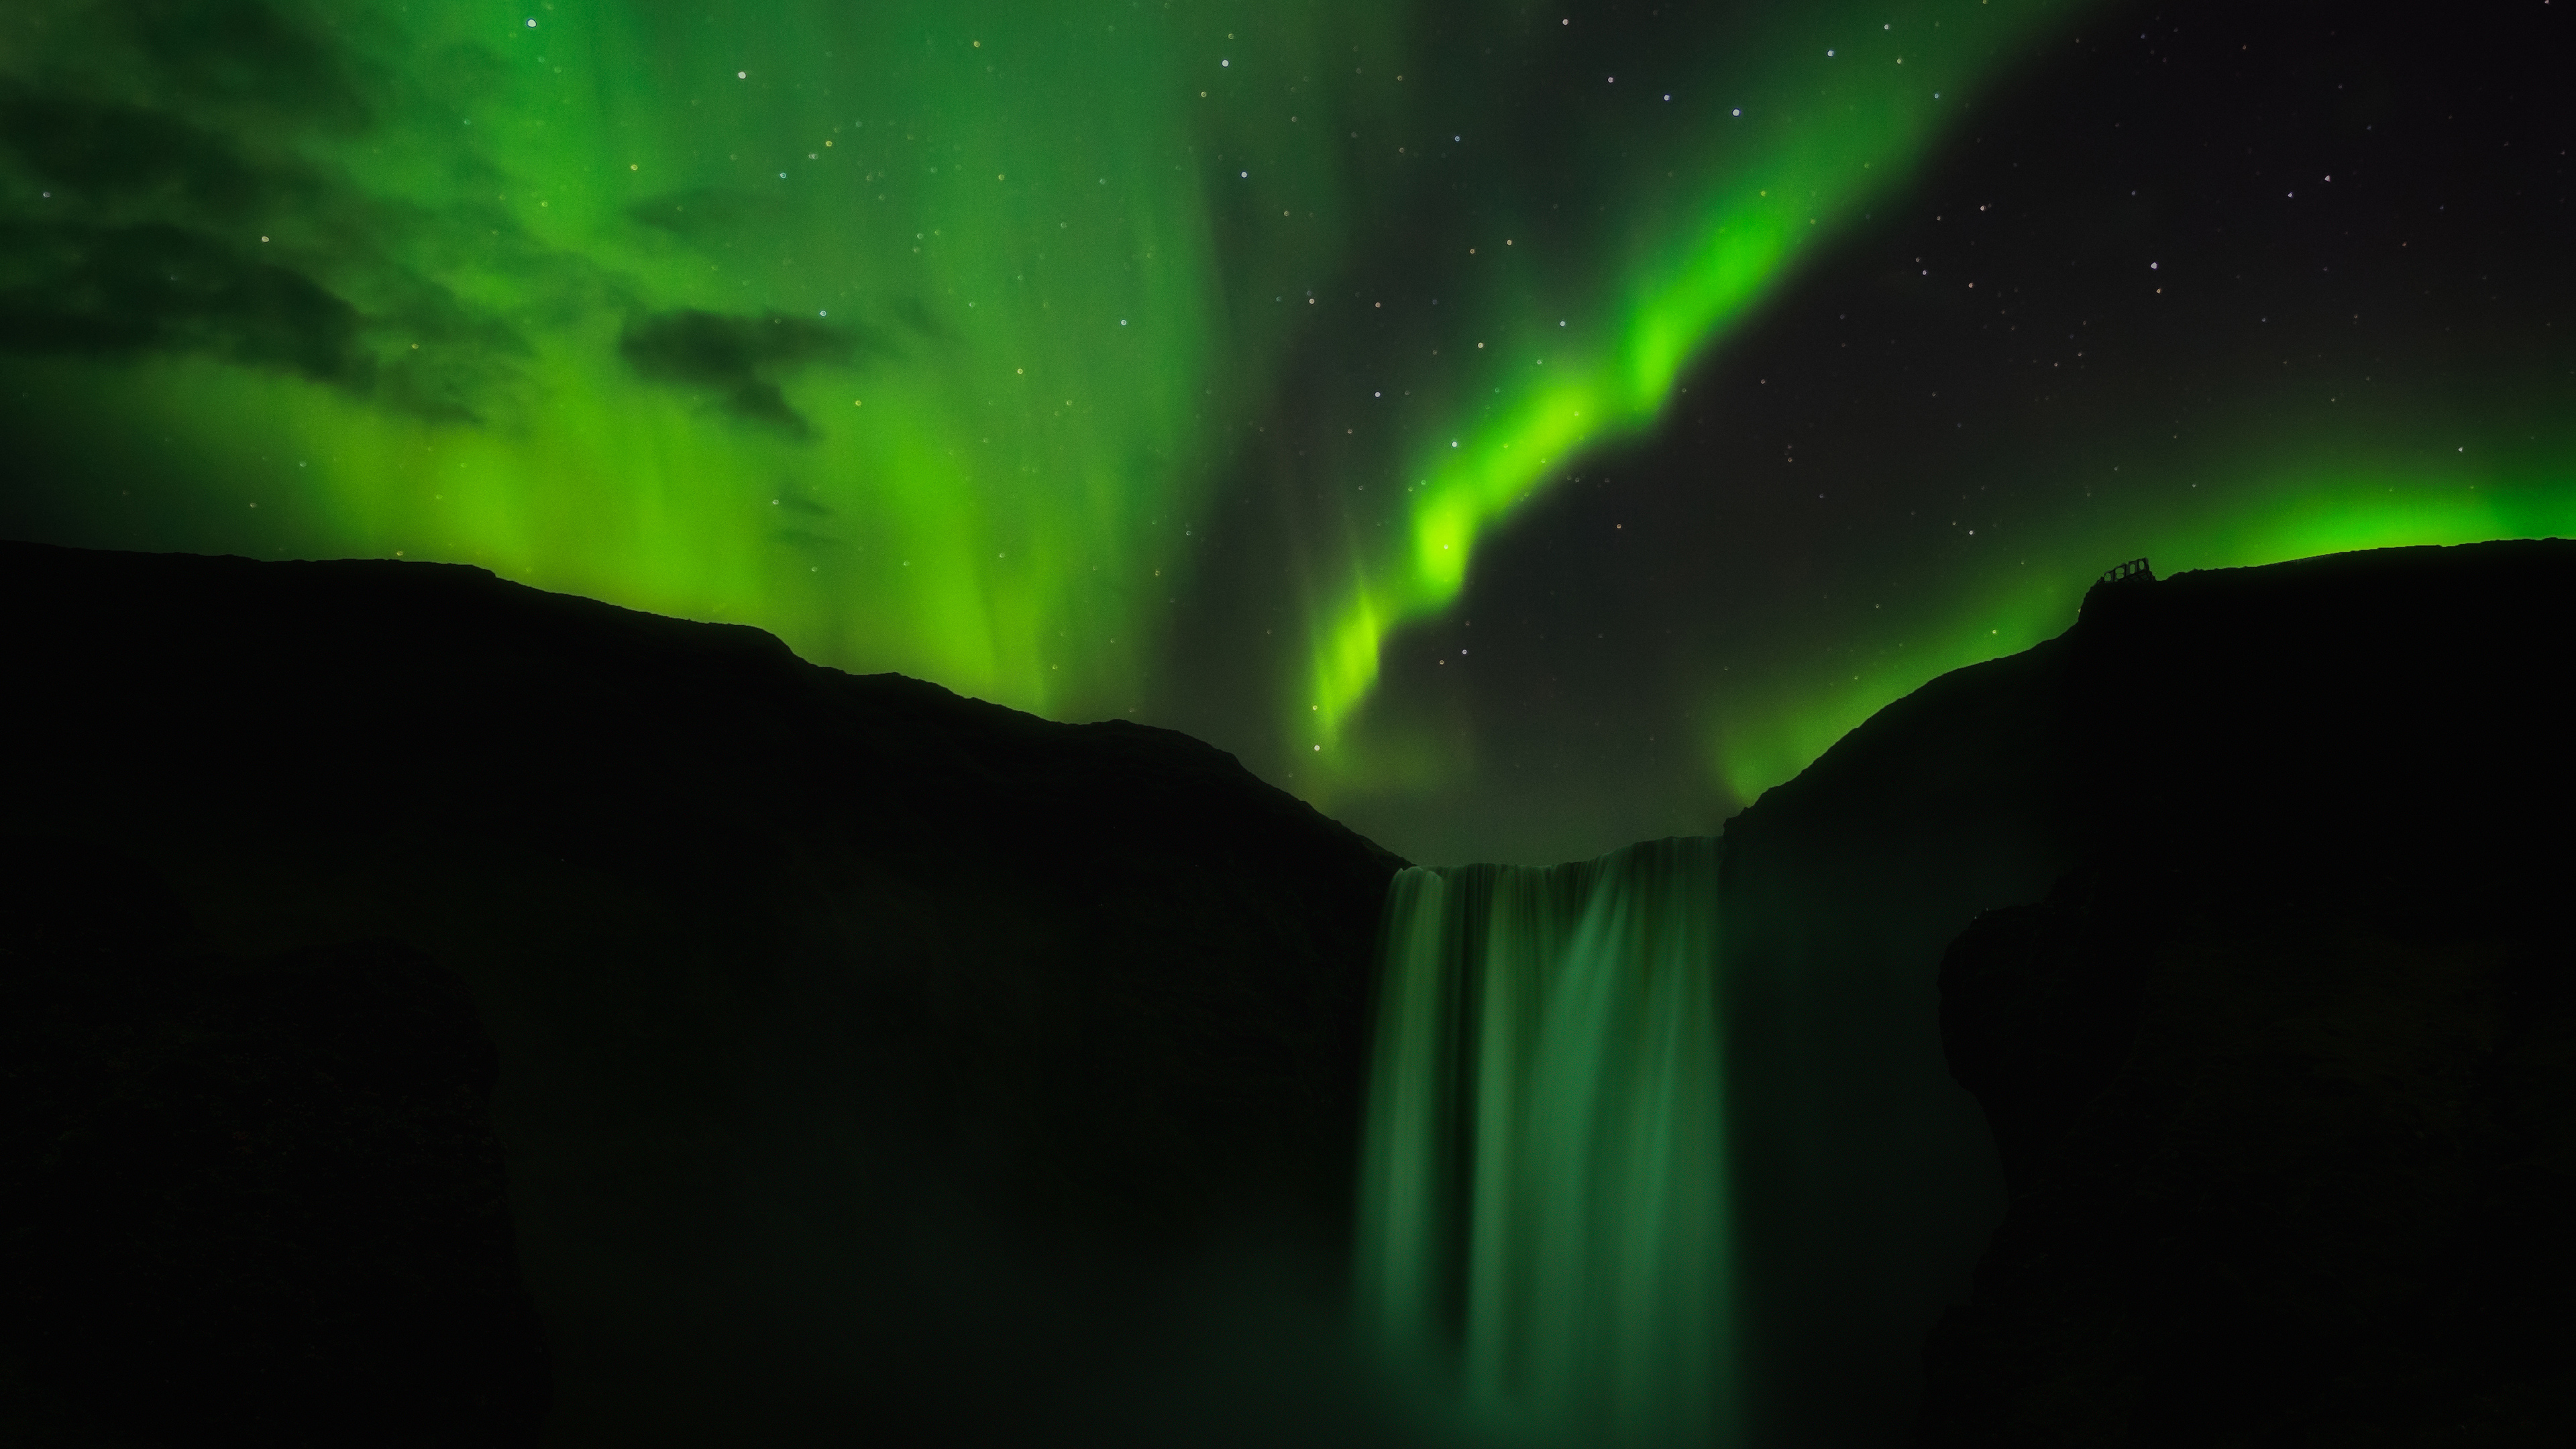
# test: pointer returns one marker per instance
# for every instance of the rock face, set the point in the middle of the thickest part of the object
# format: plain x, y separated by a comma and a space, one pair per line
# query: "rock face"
873, 1057
1864, 1181
248, 1202
2323, 797
868, 1055
2282, 1174
2283, 1074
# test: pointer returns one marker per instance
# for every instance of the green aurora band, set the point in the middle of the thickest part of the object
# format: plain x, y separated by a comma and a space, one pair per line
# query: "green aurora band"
925, 335
1836, 125
905, 331
2305, 507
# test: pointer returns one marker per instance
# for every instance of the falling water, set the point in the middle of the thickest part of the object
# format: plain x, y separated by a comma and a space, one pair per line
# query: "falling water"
1542, 1229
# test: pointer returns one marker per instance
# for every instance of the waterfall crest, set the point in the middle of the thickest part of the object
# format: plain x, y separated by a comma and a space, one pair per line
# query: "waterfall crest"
1542, 1227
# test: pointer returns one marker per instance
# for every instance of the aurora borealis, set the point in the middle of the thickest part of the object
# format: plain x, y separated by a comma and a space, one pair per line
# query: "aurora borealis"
1517, 430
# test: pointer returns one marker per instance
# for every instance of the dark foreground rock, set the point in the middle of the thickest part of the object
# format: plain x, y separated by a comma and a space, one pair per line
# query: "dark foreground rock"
2282, 1174
2372, 744
880, 1064
1864, 1182
872, 1061
247, 1202
2283, 1074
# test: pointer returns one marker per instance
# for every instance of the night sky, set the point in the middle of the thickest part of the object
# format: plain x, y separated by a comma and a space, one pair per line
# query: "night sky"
1519, 430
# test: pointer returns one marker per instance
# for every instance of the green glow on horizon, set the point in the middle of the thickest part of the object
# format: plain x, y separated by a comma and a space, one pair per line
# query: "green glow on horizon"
2300, 510
918, 334
906, 332
965, 391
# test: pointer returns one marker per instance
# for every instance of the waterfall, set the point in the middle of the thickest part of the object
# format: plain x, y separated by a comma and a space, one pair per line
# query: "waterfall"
1542, 1233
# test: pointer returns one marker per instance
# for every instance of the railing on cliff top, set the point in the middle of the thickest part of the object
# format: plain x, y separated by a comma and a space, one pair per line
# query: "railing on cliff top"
2131, 569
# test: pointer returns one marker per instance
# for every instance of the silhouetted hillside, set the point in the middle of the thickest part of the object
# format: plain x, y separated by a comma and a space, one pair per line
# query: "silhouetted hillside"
2366, 746
871, 1056
862, 1047
2283, 1073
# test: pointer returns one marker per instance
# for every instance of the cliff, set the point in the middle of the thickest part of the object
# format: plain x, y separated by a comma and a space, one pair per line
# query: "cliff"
2282, 1071
861, 1047
871, 1056
2305, 826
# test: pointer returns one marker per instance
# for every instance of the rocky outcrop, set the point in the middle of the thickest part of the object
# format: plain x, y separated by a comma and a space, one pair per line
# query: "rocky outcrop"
2282, 1073
2282, 1171
2364, 748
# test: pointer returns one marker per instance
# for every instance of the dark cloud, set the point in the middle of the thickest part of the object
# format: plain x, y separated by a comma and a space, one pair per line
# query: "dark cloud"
707, 214
737, 358
77, 289
101, 154
162, 192
137, 198
248, 55
153, 287
914, 313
